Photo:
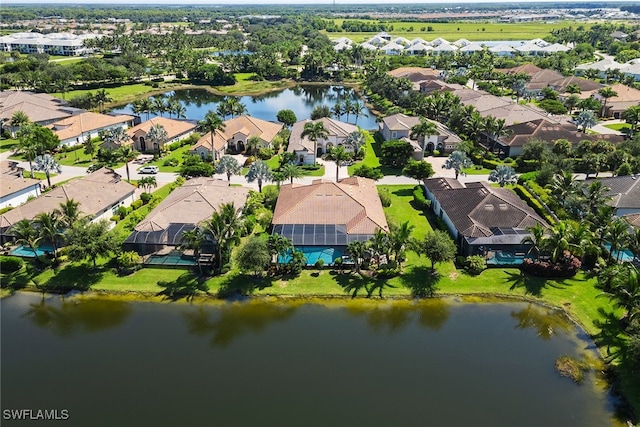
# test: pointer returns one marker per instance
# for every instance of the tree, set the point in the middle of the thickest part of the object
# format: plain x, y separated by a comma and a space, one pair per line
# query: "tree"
632, 116
19, 119
617, 236
114, 137
339, 155
396, 153
314, 131
291, 171
287, 117
26, 234
563, 185
69, 212
358, 110
126, 153
279, 246
355, 138
48, 225
254, 255
586, 119
399, 238
419, 170
102, 97
90, 240
606, 93
536, 149
423, 130
147, 183
90, 146
253, 144
535, 239
229, 166
27, 147
559, 240
503, 174
437, 246
157, 136
356, 251
224, 229
259, 171
193, 239
212, 123
457, 161
47, 164
320, 111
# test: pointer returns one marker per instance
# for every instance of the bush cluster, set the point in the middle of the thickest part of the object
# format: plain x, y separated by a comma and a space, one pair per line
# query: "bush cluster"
419, 200
567, 266
10, 264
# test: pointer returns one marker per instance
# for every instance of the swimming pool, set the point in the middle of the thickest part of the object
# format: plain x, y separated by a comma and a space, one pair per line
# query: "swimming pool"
506, 258
313, 253
623, 256
27, 252
172, 258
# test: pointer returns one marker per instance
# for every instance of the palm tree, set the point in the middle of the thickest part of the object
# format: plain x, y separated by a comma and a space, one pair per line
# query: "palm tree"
27, 146
399, 238
159, 105
339, 155
380, 245
126, 153
559, 240
596, 195
356, 251
19, 119
115, 137
423, 130
632, 116
253, 144
212, 123
563, 185
291, 171
503, 174
457, 161
224, 228
259, 171
26, 234
193, 239
337, 110
69, 212
147, 183
617, 235
358, 110
606, 93
180, 111
172, 105
347, 106
535, 239
586, 119
314, 131
229, 166
47, 164
146, 106
355, 138
102, 97
157, 136
48, 224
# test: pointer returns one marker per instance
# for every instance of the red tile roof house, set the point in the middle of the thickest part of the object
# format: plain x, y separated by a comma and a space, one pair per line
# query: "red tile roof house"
177, 130
482, 219
203, 147
99, 194
323, 217
76, 129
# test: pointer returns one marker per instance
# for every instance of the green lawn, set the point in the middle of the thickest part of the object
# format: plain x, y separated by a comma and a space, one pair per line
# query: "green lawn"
8, 144
245, 86
372, 159
618, 126
37, 175
118, 94
76, 157
175, 154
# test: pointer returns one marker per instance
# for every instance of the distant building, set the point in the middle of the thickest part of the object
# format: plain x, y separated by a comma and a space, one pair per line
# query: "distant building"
65, 44
74, 130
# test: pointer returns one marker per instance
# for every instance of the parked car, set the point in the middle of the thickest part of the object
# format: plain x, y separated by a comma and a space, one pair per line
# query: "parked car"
148, 169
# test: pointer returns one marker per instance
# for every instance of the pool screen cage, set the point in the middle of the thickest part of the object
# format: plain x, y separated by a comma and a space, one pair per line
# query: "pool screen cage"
146, 242
318, 234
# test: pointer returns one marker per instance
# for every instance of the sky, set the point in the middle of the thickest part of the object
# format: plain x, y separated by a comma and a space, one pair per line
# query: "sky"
286, 2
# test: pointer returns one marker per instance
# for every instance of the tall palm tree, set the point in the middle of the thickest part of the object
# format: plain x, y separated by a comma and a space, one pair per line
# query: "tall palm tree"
259, 171
423, 130
229, 166
19, 119
193, 239
26, 234
617, 235
102, 97
606, 93
358, 110
148, 182
596, 195
380, 245
291, 171
212, 123
563, 185
314, 131
69, 212
224, 229
126, 153
347, 106
27, 146
146, 106
535, 239
399, 238
356, 251
337, 110
49, 227
339, 155
560, 239
159, 105
47, 164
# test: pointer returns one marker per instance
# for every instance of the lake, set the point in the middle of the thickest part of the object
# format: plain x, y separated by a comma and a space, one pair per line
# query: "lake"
115, 362
301, 99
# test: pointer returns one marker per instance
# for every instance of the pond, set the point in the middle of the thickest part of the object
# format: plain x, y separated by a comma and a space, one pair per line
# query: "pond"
301, 99
112, 361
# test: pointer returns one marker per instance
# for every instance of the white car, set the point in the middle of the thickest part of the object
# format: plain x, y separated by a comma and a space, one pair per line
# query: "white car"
148, 169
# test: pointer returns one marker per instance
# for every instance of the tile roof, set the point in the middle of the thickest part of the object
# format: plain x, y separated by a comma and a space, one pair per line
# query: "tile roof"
477, 209
95, 192
415, 74
219, 141
528, 69
352, 202
400, 121
521, 133
252, 126
544, 78
334, 128
10, 184
633, 219
625, 191
86, 122
174, 128
39, 107
192, 203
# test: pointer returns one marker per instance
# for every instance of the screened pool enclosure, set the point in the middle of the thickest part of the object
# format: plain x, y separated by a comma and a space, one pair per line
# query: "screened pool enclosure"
318, 234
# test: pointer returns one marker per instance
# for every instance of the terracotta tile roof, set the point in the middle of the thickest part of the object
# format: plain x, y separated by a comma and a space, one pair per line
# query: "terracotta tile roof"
95, 192
86, 122
585, 85
9, 167
478, 209
624, 94
400, 121
174, 128
528, 69
219, 141
252, 126
352, 202
518, 113
415, 74
192, 203
39, 107
520, 134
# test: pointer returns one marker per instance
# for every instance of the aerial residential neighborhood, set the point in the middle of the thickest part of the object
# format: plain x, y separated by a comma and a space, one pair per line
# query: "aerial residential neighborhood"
401, 157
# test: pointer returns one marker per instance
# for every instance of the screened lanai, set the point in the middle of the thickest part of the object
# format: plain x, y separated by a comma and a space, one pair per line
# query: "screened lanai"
318, 234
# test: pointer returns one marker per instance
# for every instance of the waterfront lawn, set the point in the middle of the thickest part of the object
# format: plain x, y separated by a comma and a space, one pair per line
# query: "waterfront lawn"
401, 209
119, 94
246, 86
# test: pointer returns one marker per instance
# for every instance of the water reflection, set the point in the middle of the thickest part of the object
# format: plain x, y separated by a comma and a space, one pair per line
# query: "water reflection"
546, 322
67, 318
392, 319
234, 320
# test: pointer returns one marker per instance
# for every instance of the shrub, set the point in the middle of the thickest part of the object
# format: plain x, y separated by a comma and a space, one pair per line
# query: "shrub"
136, 205
526, 177
419, 200
385, 197
250, 160
567, 266
319, 264
490, 164
122, 211
11, 264
225, 268
475, 264
508, 160
533, 203
265, 153
368, 172
145, 197
174, 146
249, 224
128, 262
170, 162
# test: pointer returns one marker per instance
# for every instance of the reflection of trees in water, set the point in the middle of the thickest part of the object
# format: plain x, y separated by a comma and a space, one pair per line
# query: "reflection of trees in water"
198, 97
394, 318
69, 317
231, 321
545, 321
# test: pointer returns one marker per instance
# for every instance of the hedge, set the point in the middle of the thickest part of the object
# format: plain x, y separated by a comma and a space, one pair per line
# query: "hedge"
10, 264
533, 203
491, 164
420, 201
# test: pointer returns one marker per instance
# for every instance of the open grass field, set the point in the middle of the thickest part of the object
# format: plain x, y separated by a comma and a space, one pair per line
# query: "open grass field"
452, 31
118, 94
246, 86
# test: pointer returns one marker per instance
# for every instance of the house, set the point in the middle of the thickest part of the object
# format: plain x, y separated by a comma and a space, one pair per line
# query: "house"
429, 86
398, 126
203, 147
14, 189
601, 67
100, 194
625, 97
415, 74
74, 130
633, 220
482, 219
183, 209
177, 130
240, 129
323, 217
41, 108
66, 44
529, 69
624, 192
519, 134
303, 147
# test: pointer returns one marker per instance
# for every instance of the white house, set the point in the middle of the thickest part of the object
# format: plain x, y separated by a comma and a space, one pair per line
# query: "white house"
14, 189
303, 147
76, 129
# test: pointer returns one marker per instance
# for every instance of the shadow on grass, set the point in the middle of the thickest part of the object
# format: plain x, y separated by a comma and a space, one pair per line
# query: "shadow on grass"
422, 281
532, 285
610, 335
243, 285
19, 279
353, 283
186, 286
73, 277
